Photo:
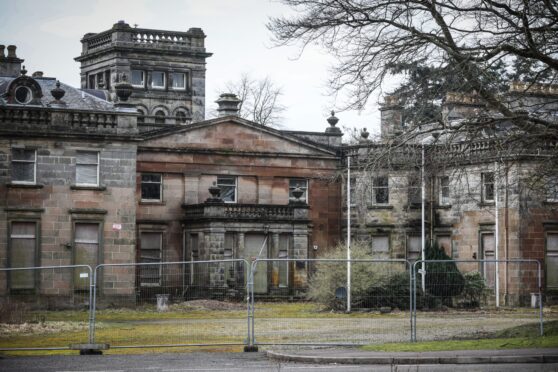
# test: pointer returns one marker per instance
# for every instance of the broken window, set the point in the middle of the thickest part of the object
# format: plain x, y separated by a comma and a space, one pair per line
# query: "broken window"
151, 187
23, 165
488, 187
301, 184
444, 190
227, 185
23, 253
87, 168
380, 190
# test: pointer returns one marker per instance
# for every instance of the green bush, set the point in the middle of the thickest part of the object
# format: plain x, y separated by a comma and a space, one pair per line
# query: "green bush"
443, 279
474, 290
373, 285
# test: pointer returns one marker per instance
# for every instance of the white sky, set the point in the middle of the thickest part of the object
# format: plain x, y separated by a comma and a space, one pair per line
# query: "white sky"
48, 33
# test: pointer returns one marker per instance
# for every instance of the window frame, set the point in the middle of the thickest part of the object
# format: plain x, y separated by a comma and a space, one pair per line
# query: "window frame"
159, 87
305, 188
143, 74
172, 76
235, 178
444, 200
161, 234
415, 235
97, 164
551, 194
546, 254
145, 200
484, 184
36, 254
375, 189
20, 182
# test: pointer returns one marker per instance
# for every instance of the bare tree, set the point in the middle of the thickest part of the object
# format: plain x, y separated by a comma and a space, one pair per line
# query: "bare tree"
260, 99
369, 37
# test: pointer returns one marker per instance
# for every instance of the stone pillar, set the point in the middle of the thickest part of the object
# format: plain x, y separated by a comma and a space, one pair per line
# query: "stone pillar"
300, 250
216, 240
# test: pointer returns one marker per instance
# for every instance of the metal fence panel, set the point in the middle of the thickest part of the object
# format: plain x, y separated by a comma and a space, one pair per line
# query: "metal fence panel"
45, 307
474, 299
164, 304
304, 301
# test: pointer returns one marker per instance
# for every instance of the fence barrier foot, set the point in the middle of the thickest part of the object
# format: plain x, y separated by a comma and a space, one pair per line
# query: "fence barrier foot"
250, 349
90, 352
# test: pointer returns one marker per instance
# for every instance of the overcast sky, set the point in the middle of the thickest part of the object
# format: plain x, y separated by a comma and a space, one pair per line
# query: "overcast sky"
48, 33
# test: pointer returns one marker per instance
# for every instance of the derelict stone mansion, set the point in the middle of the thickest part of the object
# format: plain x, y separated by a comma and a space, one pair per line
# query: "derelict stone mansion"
126, 169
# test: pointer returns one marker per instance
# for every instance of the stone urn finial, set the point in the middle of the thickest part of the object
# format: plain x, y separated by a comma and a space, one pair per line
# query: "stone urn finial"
123, 88
215, 192
297, 193
57, 92
333, 120
364, 134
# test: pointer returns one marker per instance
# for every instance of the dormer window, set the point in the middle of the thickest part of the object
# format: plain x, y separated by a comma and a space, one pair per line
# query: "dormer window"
23, 95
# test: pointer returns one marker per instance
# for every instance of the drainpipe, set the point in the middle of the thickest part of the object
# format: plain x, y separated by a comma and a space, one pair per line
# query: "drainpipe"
348, 233
496, 232
506, 240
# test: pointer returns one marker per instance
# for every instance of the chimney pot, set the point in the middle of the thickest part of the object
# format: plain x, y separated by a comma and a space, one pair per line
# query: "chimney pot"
12, 51
228, 104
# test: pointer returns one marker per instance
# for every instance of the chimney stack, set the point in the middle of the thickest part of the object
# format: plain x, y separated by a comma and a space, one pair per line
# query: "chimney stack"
10, 65
228, 104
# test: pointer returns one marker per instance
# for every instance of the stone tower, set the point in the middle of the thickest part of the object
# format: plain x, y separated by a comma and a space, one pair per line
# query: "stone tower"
165, 68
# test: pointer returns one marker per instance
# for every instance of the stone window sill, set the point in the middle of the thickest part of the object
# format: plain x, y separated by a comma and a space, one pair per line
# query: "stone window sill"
84, 187
444, 206
25, 185
486, 204
152, 202
379, 206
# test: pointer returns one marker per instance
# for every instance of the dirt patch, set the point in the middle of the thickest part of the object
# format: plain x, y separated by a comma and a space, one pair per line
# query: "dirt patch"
40, 328
208, 305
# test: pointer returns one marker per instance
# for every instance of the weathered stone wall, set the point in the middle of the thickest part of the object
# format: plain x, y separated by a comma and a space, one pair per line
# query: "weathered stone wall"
56, 204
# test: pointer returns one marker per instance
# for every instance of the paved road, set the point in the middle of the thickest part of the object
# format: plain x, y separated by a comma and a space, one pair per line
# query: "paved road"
175, 362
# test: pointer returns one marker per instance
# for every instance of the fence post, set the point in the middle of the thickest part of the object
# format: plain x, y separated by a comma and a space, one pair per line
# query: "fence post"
91, 306
409, 267
414, 303
251, 337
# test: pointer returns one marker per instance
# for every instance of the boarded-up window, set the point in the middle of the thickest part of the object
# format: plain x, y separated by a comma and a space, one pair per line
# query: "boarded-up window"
194, 256
488, 268
150, 251
283, 266
414, 247
23, 165
86, 251
380, 244
87, 168
23, 246
551, 260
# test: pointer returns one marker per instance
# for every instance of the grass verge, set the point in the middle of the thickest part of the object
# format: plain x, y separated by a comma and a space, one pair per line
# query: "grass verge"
519, 337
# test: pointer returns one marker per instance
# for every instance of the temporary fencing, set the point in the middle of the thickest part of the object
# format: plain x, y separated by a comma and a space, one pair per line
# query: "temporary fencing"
473, 299
45, 300
379, 294
268, 302
167, 304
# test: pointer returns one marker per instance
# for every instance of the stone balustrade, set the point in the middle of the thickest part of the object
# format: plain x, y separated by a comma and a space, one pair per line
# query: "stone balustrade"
260, 212
24, 115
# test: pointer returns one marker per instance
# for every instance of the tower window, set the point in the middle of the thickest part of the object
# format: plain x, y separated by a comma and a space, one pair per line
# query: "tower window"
178, 80
138, 78
158, 79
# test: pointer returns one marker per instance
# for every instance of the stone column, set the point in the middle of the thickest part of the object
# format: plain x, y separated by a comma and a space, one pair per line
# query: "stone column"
300, 250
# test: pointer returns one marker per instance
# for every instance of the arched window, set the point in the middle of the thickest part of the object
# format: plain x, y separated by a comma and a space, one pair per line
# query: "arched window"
181, 117
141, 117
160, 117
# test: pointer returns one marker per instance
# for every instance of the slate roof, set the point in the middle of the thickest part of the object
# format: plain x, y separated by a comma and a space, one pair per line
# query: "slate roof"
74, 98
